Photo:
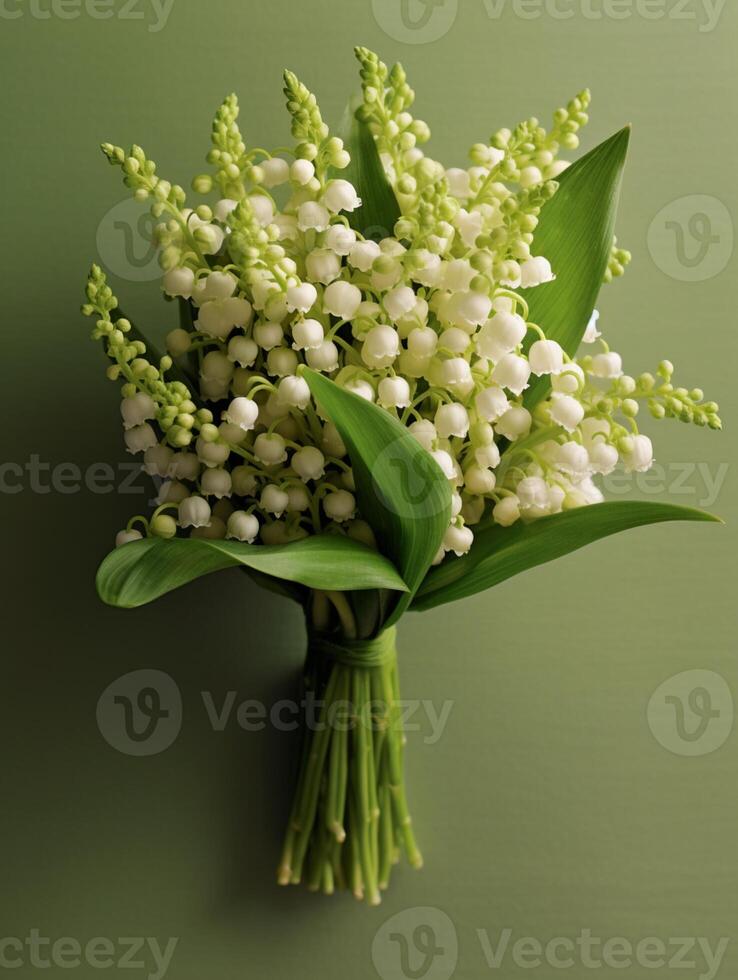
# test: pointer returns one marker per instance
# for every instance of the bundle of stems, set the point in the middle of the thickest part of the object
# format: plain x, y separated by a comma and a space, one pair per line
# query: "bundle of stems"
349, 821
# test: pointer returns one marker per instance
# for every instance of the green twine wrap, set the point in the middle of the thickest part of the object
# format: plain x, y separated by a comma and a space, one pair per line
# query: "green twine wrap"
357, 653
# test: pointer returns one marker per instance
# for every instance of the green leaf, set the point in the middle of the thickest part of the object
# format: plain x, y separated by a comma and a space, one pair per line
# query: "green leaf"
575, 233
141, 571
499, 553
379, 211
401, 490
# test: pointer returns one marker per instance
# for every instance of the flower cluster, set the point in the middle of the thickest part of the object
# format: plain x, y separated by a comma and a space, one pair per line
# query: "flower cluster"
428, 322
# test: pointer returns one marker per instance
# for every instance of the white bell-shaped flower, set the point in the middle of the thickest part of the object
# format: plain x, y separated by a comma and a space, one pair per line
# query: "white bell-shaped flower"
301, 298
139, 438
308, 463
491, 403
608, 365
361, 387
268, 334
212, 453
242, 526
393, 393
276, 171
507, 511
501, 334
340, 195
179, 282
381, 346
458, 539
302, 172
339, 239
137, 409
637, 453
324, 357
244, 481
274, 500
157, 460
312, 216
294, 391
546, 357
478, 480
323, 265
515, 423
603, 457
532, 491
466, 309
425, 432
399, 301
488, 456
452, 420
269, 448
363, 255
339, 505
242, 412
573, 459
194, 512
281, 361
342, 299
455, 374
216, 482
535, 271
242, 351
307, 334
218, 317
512, 372
422, 342
566, 411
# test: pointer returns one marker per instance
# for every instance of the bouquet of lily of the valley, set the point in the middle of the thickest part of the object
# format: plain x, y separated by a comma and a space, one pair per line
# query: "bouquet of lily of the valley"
387, 391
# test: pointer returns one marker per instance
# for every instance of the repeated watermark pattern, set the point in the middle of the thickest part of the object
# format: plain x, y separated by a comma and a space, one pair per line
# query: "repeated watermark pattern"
692, 713
36, 475
38, 952
141, 712
691, 239
426, 21
153, 13
421, 943
125, 241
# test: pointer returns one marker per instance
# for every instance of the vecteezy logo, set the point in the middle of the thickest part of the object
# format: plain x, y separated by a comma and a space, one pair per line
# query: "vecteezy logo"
691, 239
140, 713
125, 242
415, 21
415, 478
416, 944
692, 713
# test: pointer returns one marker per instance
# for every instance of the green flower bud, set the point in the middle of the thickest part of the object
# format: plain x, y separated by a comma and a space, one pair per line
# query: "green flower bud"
202, 184
163, 526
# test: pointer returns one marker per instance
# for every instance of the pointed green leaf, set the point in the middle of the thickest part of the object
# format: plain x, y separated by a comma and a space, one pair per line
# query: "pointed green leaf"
141, 571
402, 491
575, 233
499, 553
379, 211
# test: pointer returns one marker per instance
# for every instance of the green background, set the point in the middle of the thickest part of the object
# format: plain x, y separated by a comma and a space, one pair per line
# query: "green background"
547, 806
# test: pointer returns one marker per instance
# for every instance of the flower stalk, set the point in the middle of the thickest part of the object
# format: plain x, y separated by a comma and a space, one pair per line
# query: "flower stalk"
349, 820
